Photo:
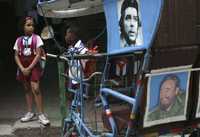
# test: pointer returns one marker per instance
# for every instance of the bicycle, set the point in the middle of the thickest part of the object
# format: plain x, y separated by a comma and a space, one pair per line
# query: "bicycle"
77, 118
75, 121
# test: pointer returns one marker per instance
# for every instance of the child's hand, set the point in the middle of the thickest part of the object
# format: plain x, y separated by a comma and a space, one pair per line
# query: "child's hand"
22, 69
26, 71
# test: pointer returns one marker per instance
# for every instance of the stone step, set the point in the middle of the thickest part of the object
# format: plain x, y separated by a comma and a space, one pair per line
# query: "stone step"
31, 129
6, 131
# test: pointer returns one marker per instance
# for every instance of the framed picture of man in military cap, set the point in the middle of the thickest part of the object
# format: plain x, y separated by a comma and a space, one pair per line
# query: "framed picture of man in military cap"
167, 95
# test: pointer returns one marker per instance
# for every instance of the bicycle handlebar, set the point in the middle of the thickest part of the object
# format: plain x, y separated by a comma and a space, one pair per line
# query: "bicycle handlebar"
83, 56
57, 56
86, 79
91, 76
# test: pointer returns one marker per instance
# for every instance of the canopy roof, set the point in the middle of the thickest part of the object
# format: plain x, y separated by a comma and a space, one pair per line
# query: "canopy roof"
69, 8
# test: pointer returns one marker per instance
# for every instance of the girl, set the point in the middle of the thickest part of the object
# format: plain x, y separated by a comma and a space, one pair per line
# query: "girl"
27, 55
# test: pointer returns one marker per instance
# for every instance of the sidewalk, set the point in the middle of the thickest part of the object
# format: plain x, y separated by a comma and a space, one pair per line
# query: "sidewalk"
12, 107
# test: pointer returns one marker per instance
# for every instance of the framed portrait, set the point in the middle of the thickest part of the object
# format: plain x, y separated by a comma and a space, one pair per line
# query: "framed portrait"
174, 135
167, 95
198, 103
156, 134
131, 24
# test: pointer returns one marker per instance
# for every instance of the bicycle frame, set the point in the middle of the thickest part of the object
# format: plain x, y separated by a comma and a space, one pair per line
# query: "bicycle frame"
75, 120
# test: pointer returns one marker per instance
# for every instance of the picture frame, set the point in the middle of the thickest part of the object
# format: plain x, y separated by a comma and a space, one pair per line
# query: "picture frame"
167, 95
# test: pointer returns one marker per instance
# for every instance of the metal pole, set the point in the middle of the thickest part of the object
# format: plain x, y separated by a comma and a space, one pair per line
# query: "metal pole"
62, 90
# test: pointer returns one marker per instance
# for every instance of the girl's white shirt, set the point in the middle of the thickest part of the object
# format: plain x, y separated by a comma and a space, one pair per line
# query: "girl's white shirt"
38, 44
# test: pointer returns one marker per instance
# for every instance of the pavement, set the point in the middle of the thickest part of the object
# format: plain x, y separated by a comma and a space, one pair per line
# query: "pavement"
13, 106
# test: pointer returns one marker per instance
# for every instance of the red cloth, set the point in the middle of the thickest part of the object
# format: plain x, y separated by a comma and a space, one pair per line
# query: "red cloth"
35, 75
36, 72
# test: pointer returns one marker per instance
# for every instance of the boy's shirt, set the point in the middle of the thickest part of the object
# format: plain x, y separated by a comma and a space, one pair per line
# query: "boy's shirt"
78, 48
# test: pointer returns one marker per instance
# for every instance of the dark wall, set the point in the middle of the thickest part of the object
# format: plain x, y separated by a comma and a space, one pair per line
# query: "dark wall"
178, 24
198, 21
7, 38
178, 38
